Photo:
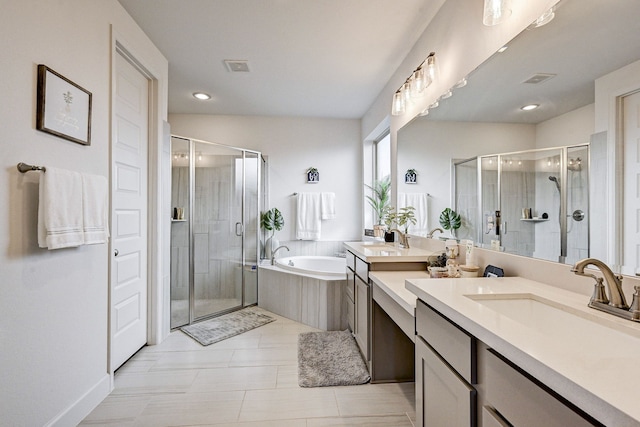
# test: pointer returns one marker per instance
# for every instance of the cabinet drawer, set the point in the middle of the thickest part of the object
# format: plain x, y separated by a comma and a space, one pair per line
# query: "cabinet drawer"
350, 288
351, 261
362, 270
442, 397
521, 401
455, 345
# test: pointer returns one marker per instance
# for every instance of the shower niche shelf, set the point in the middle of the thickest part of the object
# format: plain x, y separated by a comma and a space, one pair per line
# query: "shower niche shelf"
534, 219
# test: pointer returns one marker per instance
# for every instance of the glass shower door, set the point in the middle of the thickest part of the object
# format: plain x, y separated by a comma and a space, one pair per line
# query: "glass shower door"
216, 229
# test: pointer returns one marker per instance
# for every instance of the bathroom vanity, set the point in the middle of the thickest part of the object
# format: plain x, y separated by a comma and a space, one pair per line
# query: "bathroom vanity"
382, 322
511, 351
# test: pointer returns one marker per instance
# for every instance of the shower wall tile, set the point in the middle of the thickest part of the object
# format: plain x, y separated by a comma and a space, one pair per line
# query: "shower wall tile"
201, 253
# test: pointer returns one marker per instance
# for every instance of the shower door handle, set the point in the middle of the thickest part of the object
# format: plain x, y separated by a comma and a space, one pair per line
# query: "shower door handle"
240, 227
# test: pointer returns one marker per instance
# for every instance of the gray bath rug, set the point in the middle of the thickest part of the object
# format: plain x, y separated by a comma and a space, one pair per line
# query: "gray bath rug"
329, 359
220, 328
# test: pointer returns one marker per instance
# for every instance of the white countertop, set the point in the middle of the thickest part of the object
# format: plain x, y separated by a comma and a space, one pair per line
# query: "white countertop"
595, 370
377, 251
392, 283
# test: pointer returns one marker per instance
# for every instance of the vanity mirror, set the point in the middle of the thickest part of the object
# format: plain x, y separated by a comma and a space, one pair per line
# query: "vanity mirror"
581, 70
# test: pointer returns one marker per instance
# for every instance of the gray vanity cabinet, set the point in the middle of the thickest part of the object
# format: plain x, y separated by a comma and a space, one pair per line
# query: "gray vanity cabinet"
445, 371
460, 379
359, 302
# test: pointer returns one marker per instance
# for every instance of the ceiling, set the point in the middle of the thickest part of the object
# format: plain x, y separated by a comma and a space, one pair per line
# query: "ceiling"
586, 40
310, 58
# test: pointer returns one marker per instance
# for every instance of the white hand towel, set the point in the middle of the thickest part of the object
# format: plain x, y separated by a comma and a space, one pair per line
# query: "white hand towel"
328, 205
309, 216
420, 201
95, 209
60, 209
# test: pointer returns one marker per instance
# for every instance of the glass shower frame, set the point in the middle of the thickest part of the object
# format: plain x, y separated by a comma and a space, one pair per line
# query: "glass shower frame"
495, 217
245, 179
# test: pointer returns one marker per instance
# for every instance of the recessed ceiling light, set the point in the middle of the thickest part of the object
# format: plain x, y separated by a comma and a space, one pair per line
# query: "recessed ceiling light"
201, 95
529, 107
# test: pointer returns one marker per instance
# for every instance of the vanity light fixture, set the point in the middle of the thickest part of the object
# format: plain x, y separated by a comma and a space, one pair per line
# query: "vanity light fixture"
434, 105
398, 106
545, 18
415, 84
424, 112
201, 96
447, 94
496, 12
461, 83
529, 107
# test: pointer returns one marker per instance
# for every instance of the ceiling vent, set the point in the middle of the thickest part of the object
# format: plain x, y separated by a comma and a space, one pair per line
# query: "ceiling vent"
236, 66
539, 78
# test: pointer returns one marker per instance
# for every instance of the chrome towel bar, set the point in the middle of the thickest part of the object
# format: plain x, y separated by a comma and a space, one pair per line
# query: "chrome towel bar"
23, 168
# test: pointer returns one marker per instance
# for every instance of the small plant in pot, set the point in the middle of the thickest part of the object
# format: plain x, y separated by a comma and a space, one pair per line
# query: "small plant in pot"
379, 201
406, 217
389, 220
450, 220
271, 220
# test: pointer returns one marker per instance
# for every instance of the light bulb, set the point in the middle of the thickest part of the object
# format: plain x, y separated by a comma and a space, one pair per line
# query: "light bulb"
419, 82
496, 12
397, 106
432, 67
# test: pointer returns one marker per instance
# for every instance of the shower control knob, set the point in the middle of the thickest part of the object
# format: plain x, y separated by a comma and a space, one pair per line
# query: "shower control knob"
115, 252
577, 215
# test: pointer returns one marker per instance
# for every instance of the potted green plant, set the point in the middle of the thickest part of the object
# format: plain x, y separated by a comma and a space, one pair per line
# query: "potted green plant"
379, 201
389, 220
405, 217
450, 220
271, 220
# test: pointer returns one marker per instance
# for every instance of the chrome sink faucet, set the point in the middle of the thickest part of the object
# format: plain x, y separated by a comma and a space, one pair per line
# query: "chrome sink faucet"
616, 303
403, 239
273, 253
430, 235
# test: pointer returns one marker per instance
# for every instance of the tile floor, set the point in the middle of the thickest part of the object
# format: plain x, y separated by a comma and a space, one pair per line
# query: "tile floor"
246, 381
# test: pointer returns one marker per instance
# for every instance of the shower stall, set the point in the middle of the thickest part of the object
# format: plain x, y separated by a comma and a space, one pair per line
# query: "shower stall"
531, 203
215, 195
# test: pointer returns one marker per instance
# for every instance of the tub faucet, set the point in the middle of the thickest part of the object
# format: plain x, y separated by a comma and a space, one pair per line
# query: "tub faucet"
403, 239
273, 253
430, 235
616, 303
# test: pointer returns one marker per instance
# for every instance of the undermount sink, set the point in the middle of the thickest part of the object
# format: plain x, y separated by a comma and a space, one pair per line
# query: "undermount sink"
554, 319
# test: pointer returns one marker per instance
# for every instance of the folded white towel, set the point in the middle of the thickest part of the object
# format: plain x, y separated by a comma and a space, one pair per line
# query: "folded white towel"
328, 205
60, 209
309, 216
420, 201
95, 209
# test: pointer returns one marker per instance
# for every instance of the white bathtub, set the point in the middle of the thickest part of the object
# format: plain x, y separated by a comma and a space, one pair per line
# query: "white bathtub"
310, 291
319, 265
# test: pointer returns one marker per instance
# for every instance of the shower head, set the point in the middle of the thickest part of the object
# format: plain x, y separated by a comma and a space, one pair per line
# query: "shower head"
555, 180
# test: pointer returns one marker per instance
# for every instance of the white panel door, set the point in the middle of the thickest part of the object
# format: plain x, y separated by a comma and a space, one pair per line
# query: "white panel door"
631, 231
129, 213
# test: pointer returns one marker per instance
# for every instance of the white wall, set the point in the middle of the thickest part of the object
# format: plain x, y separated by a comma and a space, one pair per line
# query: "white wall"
429, 146
54, 304
292, 145
572, 128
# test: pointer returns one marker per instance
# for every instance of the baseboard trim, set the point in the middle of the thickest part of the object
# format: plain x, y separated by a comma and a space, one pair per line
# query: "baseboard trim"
82, 407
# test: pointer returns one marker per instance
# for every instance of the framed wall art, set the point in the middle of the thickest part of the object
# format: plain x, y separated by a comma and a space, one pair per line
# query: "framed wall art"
63, 108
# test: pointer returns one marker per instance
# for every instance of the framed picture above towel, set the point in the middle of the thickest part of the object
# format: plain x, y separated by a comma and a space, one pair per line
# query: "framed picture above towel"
64, 108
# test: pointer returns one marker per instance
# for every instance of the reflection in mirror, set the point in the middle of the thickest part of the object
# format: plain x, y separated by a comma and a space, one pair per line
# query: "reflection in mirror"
589, 46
